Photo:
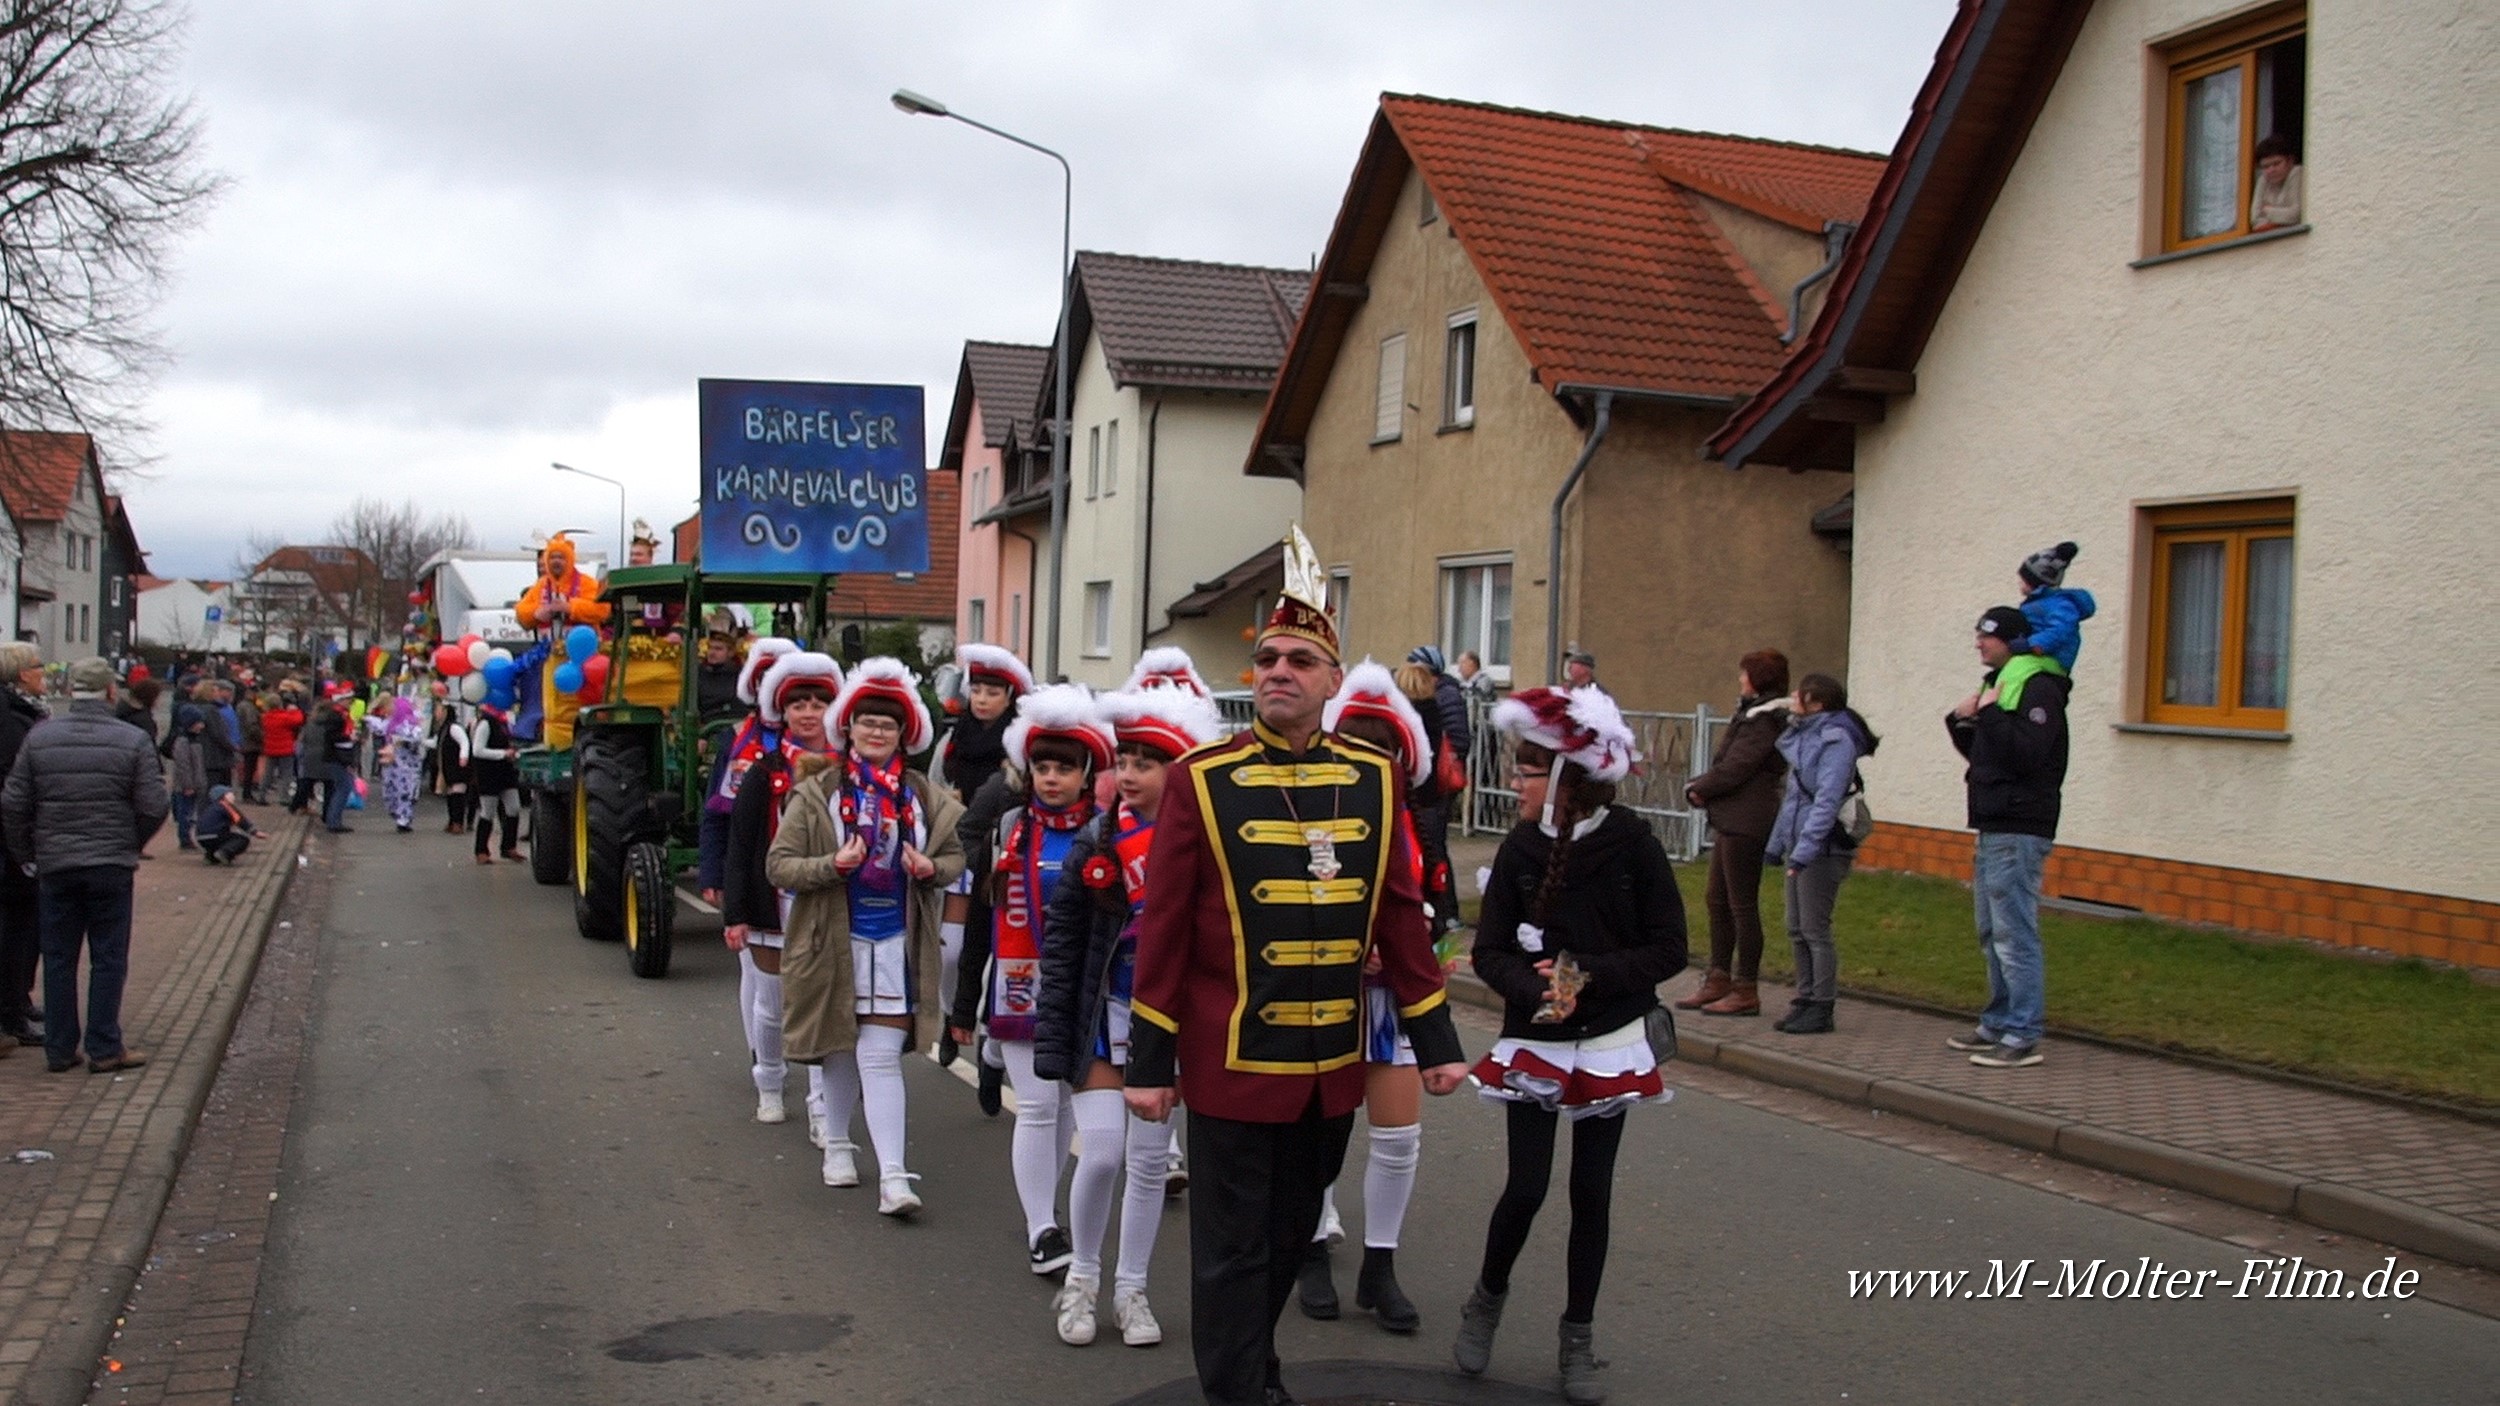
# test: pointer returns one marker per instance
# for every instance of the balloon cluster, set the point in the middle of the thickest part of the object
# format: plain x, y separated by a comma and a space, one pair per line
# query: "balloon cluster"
476, 672
584, 672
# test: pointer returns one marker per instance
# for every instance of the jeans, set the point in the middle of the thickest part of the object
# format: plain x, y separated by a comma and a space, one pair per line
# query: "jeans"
186, 806
89, 906
342, 784
2005, 892
278, 775
1812, 892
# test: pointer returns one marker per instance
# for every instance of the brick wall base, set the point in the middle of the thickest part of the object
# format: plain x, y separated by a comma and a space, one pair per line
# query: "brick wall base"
2455, 930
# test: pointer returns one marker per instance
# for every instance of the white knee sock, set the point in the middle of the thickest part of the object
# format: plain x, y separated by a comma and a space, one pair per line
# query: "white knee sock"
1100, 1114
841, 1089
1141, 1205
881, 1092
950, 953
816, 1093
761, 992
1327, 1208
1039, 1147
1389, 1183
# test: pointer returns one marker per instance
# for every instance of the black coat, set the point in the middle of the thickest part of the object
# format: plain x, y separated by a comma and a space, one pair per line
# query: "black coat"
85, 791
1449, 702
2017, 771
979, 833
974, 752
746, 896
1618, 914
18, 716
1079, 936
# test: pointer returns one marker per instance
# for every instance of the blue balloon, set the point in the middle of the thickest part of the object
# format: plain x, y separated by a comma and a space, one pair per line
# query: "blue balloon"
499, 673
499, 697
580, 643
568, 678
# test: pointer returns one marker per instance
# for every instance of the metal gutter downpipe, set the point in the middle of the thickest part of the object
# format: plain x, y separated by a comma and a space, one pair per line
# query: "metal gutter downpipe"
1146, 587
1835, 243
1554, 545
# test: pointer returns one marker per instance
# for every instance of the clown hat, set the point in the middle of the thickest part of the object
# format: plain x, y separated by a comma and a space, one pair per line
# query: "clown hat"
887, 679
1302, 611
760, 656
989, 663
788, 670
1165, 666
1370, 691
1061, 710
1168, 718
1583, 727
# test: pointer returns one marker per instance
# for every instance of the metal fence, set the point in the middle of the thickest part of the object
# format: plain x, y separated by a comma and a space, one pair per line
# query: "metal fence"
1674, 747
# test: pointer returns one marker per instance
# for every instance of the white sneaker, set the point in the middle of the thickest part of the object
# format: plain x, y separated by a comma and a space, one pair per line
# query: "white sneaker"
816, 1132
841, 1168
895, 1196
768, 1109
1331, 1227
1137, 1324
1074, 1304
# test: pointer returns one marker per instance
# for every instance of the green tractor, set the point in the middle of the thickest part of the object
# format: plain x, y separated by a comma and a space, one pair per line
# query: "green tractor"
618, 814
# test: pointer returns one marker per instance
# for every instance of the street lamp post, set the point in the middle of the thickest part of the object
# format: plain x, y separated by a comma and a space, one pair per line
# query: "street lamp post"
619, 559
920, 106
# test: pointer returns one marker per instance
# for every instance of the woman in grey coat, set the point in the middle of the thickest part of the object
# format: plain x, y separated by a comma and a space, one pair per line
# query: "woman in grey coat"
1823, 747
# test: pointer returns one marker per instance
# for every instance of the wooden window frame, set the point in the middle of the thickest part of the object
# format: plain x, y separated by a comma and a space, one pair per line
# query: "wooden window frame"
2185, 61
2234, 525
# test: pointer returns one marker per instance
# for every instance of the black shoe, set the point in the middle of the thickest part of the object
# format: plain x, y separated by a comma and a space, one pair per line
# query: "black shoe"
59, 1066
1815, 1019
1315, 1286
1278, 1396
211, 858
1377, 1289
342, 829
2008, 1056
947, 1048
1973, 1042
1796, 1009
1051, 1252
26, 1033
986, 1090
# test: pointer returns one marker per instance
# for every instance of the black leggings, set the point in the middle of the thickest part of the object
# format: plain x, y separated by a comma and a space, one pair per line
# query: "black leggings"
1594, 1142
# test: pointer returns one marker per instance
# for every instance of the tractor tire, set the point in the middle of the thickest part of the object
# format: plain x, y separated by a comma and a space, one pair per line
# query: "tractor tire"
650, 909
551, 836
611, 800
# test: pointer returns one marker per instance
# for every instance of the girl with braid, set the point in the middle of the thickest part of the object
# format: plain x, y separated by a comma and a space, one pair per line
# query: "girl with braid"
1581, 921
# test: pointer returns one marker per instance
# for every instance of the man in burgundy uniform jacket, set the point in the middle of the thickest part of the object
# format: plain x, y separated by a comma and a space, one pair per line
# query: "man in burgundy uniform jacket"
1273, 877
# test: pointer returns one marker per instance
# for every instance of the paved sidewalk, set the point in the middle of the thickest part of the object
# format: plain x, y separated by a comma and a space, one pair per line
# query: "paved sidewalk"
75, 1229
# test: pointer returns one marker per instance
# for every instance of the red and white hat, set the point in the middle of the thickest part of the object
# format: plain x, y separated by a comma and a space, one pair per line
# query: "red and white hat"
790, 668
1060, 710
989, 663
1583, 727
760, 656
1166, 666
1166, 717
889, 679
1370, 691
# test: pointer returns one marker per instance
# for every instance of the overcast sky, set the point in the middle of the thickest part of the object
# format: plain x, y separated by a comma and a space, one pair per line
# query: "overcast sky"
464, 239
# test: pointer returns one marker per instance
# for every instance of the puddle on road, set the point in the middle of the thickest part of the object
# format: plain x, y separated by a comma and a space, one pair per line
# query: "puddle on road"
744, 1336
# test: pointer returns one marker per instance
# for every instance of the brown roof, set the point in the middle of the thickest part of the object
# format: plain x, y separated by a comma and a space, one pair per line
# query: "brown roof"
336, 572
1183, 324
929, 595
1968, 124
1003, 380
1267, 565
39, 472
1591, 241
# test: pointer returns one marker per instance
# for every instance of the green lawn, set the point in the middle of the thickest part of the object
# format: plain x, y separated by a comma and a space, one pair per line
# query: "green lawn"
2404, 1026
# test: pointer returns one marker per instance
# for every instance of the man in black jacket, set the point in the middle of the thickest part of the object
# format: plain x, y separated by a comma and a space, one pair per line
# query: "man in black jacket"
2014, 733
79, 805
21, 929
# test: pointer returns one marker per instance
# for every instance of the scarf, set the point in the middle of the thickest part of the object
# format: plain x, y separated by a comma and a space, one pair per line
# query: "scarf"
1016, 955
1130, 839
872, 794
747, 747
975, 750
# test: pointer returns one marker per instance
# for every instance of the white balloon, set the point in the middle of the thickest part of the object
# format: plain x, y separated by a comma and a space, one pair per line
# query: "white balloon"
473, 688
498, 652
477, 655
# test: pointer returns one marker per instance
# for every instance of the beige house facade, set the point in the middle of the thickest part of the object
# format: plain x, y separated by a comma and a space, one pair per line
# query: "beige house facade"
2271, 441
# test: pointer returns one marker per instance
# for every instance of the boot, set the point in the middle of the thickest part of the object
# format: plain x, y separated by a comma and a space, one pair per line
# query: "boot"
1742, 998
1816, 1019
1796, 1012
1316, 1287
1377, 1289
1581, 1385
1478, 1319
1713, 986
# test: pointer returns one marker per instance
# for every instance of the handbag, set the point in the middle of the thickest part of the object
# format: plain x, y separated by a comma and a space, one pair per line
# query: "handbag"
1855, 818
1449, 771
1659, 1028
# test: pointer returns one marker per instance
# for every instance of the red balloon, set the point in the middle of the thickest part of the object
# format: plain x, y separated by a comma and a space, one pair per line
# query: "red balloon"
467, 640
451, 661
595, 678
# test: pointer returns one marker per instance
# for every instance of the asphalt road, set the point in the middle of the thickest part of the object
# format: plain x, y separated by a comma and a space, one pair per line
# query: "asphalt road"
517, 1174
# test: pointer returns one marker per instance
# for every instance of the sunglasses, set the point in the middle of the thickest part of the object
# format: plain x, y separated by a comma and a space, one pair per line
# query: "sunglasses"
1299, 660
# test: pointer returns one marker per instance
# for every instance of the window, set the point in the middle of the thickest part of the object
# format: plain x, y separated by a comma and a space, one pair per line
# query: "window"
1475, 611
1427, 209
86, 624
977, 620
87, 556
1098, 619
69, 550
2220, 638
1341, 598
1458, 372
1093, 463
2236, 116
1111, 459
1389, 407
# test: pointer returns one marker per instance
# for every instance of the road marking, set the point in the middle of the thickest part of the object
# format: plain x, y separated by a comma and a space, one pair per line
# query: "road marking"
691, 900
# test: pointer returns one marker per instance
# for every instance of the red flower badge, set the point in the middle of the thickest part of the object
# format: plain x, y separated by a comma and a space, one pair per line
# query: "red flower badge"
1099, 872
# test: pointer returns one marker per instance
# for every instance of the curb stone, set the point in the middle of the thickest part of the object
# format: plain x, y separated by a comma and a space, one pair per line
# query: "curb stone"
2321, 1203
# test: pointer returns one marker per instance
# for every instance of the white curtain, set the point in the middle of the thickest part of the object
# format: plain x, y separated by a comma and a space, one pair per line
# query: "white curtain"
2192, 636
2266, 650
2209, 184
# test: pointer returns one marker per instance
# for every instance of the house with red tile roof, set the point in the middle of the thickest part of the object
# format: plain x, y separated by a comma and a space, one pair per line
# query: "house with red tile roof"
53, 485
2081, 310
1522, 328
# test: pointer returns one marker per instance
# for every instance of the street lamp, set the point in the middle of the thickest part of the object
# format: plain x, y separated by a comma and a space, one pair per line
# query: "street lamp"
619, 559
919, 105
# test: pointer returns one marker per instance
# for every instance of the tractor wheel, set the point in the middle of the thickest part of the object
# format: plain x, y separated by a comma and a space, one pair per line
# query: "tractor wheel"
611, 796
551, 835
650, 908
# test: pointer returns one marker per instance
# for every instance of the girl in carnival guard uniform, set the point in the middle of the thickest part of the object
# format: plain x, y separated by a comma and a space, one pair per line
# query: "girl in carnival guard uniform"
752, 740
1081, 1036
866, 850
973, 751
792, 698
1581, 921
1059, 744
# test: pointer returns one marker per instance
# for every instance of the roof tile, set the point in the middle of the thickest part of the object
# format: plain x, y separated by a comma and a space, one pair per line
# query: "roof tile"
1180, 322
1006, 381
39, 472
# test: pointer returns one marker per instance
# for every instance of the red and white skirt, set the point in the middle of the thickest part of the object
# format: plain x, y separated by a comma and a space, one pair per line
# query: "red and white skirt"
1593, 1078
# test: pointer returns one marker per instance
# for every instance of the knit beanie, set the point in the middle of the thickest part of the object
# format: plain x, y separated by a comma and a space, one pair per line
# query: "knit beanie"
2047, 567
2005, 623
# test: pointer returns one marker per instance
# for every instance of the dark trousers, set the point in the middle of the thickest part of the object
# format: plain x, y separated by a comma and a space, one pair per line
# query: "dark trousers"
87, 907
226, 847
1254, 1199
21, 950
250, 772
1735, 899
340, 784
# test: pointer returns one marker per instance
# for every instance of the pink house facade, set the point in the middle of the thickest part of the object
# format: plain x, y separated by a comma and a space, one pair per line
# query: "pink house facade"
991, 442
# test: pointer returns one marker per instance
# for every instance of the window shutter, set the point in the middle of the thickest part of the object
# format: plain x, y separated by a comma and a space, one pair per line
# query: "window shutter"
1390, 417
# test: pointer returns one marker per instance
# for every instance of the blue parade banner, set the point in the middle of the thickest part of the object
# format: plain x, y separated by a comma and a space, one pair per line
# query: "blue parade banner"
810, 476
